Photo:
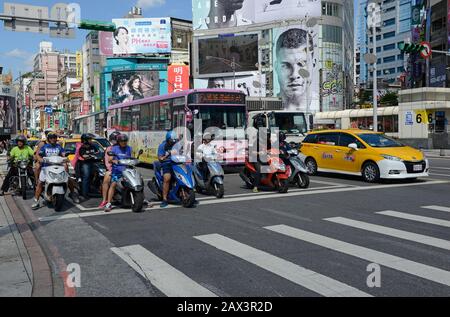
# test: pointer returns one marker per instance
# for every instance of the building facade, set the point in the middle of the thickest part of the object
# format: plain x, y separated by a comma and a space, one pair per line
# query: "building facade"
395, 28
297, 52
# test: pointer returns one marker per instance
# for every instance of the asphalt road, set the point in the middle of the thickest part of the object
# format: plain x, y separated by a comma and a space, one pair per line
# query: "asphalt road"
317, 242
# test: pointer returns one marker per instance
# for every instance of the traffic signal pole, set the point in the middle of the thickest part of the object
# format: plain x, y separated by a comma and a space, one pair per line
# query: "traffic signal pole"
375, 82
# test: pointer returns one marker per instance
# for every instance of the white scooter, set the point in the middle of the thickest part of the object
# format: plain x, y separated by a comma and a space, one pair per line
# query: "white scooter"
56, 181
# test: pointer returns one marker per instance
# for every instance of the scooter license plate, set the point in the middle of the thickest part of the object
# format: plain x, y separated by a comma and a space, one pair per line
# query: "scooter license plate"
57, 190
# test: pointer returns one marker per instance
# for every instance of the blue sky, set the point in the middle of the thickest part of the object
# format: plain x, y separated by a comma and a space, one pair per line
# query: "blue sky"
17, 48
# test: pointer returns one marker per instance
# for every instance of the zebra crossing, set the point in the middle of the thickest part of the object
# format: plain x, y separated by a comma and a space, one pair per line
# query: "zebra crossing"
171, 281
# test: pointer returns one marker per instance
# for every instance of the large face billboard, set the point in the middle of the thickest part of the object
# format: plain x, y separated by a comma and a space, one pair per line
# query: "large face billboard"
217, 14
134, 85
252, 86
142, 36
228, 55
296, 69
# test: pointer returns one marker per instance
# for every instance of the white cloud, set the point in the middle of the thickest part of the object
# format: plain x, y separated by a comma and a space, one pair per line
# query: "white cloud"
17, 53
150, 3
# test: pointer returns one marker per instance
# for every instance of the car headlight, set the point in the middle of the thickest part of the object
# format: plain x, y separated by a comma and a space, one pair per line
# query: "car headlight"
391, 158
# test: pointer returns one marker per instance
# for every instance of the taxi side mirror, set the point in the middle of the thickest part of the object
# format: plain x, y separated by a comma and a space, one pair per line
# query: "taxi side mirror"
353, 146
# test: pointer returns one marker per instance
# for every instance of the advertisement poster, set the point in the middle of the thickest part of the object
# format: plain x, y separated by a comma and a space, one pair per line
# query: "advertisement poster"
178, 77
252, 86
217, 55
296, 67
106, 40
79, 63
332, 79
7, 115
131, 86
142, 36
217, 14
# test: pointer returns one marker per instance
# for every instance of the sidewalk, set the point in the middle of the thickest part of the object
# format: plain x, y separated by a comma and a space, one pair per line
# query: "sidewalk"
15, 264
437, 153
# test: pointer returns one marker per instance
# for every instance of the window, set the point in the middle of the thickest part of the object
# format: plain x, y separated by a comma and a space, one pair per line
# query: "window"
135, 114
389, 59
311, 139
389, 47
400, 69
332, 9
346, 139
124, 119
165, 115
389, 35
401, 57
331, 139
332, 34
389, 22
145, 119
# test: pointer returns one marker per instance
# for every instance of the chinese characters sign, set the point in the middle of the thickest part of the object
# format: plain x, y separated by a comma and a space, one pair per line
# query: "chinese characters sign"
178, 78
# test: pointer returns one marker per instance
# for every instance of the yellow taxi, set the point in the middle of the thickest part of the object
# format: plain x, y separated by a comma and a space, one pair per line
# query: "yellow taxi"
371, 155
70, 145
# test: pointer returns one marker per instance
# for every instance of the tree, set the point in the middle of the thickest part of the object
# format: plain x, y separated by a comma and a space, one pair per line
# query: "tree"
390, 99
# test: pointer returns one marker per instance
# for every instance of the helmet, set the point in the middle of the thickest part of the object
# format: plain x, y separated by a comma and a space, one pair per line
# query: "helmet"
47, 131
171, 137
52, 135
113, 136
282, 136
122, 138
86, 137
208, 137
21, 138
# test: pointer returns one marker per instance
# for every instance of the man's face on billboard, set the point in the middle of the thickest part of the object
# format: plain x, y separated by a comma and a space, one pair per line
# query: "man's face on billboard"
219, 83
292, 68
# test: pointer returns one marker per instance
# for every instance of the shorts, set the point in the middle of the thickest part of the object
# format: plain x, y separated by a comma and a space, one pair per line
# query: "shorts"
115, 178
166, 168
42, 177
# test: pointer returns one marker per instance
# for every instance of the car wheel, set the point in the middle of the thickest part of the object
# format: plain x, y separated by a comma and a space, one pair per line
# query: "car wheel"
311, 164
371, 172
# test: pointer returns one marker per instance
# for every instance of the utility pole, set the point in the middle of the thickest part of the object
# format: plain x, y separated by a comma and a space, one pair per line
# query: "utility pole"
374, 22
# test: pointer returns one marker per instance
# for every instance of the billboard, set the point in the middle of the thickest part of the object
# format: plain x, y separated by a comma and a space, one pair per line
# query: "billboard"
134, 85
296, 69
105, 40
252, 86
79, 61
332, 77
178, 78
218, 14
142, 36
217, 54
7, 115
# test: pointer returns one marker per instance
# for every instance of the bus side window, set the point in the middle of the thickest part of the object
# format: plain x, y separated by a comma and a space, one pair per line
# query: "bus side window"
155, 115
144, 117
135, 114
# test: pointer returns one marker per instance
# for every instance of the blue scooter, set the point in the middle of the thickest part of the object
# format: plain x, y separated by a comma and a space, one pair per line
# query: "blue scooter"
182, 185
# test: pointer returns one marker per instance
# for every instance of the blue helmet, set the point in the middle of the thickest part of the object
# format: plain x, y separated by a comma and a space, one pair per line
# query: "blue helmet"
171, 137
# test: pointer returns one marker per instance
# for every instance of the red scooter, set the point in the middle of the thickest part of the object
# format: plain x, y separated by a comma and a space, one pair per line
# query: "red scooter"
277, 178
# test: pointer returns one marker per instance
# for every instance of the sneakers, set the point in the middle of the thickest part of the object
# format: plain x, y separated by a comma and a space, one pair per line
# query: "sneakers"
74, 198
109, 207
164, 204
103, 204
36, 205
255, 190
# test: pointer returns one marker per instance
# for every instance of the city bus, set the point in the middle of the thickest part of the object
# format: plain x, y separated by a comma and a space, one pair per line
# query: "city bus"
147, 121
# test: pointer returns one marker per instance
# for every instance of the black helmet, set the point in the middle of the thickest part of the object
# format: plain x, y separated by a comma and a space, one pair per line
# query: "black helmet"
21, 138
282, 136
86, 137
113, 136
52, 135
122, 138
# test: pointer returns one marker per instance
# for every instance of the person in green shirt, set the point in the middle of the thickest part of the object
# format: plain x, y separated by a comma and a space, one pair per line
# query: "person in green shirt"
21, 152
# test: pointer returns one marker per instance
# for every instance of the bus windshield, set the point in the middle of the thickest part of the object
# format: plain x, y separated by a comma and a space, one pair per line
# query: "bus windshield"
222, 117
290, 123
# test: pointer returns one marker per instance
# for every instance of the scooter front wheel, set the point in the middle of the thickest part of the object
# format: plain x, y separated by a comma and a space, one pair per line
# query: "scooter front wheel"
23, 183
58, 202
283, 186
219, 189
187, 197
138, 199
303, 181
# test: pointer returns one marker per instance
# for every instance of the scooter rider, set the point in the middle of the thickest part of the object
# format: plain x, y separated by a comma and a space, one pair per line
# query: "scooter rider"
204, 150
107, 178
84, 164
21, 152
121, 151
52, 148
37, 164
165, 151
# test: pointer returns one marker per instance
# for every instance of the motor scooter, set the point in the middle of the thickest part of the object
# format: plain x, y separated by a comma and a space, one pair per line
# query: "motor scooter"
213, 181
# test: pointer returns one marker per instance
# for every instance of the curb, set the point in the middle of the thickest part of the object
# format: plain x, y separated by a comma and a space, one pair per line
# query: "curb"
42, 276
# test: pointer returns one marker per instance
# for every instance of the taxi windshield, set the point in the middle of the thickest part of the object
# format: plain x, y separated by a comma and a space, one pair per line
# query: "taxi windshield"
379, 141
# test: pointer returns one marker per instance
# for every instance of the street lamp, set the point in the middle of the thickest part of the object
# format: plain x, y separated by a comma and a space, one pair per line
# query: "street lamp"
232, 63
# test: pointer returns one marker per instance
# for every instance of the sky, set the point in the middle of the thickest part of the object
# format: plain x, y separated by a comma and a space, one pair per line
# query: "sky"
18, 48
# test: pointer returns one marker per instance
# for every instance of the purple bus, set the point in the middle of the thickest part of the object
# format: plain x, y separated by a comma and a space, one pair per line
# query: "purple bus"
146, 121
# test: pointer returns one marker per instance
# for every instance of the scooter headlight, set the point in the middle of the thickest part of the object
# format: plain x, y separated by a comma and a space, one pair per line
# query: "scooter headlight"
278, 165
59, 178
23, 165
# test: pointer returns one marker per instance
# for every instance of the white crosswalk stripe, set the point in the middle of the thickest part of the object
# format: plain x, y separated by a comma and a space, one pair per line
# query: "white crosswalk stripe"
437, 208
311, 280
405, 235
163, 276
397, 263
428, 220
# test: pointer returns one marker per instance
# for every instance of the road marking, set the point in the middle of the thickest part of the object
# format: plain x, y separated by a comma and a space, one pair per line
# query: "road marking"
435, 174
440, 168
261, 196
437, 208
428, 220
400, 234
397, 263
311, 280
162, 275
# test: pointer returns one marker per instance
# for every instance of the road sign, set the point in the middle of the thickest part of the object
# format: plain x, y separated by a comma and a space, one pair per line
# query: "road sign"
48, 110
426, 50
19, 14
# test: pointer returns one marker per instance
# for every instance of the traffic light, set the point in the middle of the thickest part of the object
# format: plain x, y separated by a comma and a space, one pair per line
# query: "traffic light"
97, 26
411, 47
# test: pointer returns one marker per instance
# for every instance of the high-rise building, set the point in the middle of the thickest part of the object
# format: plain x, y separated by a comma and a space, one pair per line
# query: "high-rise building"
259, 48
395, 28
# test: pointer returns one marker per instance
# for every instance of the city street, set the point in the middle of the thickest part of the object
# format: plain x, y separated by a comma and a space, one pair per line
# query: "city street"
316, 242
